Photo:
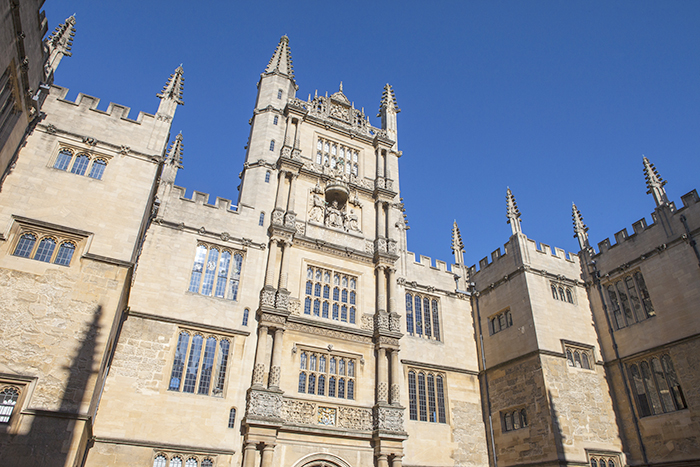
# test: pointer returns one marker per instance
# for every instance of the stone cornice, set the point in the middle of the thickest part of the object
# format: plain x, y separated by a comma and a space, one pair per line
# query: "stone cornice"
242, 242
187, 324
164, 446
432, 366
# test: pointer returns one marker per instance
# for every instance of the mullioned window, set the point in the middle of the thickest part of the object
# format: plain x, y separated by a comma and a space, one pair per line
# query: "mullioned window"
331, 294
216, 272
630, 301
200, 364
327, 374
426, 396
80, 163
656, 386
422, 316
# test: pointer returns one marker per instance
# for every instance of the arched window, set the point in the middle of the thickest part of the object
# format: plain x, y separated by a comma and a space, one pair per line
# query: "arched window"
302, 361
207, 463
176, 462
65, 253
321, 385
554, 292
160, 461
63, 159
97, 169
246, 312
45, 250
267, 176
261, 221
561, 294
272, 145
594, 463
331, 386
307, 306
210, 271
302, 382
80, 164
275, 120
432, 409
279, 94
191, 462
569, 358
312, 384
577, 359
585, 364
440, 399
351, 389
341, 388
25, 245
569, 297
197, 268
8, 400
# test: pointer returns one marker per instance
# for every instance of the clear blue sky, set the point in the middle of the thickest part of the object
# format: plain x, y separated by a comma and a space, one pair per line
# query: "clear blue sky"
557, 99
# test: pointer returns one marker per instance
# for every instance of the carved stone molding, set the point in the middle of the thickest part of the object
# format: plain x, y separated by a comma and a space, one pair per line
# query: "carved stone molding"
319, 331
267, 297
295, 306
264, 405
380, 245
355, 418
277, 217
394, 322
388, 419
275, 373
273, 319
298, 412
258, 374
367, 322
381, 321
390, 341
282, 300
290, 220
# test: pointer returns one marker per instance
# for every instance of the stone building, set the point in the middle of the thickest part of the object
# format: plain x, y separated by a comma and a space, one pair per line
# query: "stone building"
293, 328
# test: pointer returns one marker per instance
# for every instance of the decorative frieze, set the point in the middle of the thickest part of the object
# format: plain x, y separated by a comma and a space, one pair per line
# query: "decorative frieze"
327, 416
381, 321
267, 297
320, 331
388, 419
394, 322
298, 412
353, 418
264, 404
282, 300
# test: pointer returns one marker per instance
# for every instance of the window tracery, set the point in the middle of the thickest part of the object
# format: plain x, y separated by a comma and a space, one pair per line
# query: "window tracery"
330, 294
327, 374
579, 357
173, 459
216, 271
200, 364
562, 292
629, 299
80, 163
41, 246
426, 396
9, 395
338, 156
422, 316
500, 321
656, 386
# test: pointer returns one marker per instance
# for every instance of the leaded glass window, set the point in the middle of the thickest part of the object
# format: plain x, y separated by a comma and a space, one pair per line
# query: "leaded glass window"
412, 396
500, 322
426, 397
329, 300
317, 374
656, 387
97, 169
25, 245
629, 300
200, 362
8, 400
80, 164
422, 316
422, 399
160, 461
514, 420
63, 159
65, 253
216, 272
232, 418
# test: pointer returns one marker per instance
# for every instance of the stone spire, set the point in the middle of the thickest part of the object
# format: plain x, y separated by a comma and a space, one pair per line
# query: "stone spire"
512, 213
457, 245
59, 44
580, 228
281, 61
171, 95
388, 109
655, 184
174, 156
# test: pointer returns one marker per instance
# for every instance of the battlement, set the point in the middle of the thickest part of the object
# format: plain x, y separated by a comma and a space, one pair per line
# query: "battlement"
426, 261
202, 199
641, 230
86, 103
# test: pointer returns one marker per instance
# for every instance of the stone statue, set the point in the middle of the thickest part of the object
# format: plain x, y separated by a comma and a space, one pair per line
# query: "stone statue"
334, 217
316, 212
352, 222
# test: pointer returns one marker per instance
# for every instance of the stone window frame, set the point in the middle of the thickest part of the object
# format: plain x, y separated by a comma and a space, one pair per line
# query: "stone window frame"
315, 290
163, 458
304, 364
421, 402
563, 293
586, 355
427, 328
503, 318
261, 219
328, 152
618, 296
25, 386
609, 459
232, 417
42, 231
75, 152
655, 385
513, 414
200, 285
218, 384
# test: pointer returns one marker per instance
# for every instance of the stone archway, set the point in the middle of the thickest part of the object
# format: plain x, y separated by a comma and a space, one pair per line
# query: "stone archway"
321, 460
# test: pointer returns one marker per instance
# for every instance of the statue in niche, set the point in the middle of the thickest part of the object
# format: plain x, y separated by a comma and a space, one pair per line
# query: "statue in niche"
352, 222
334, 218
316, 212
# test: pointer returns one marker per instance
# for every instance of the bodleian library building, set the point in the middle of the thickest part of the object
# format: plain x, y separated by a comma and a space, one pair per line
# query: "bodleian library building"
293, 328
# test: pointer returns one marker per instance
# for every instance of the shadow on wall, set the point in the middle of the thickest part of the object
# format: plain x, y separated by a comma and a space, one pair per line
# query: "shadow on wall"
52, 433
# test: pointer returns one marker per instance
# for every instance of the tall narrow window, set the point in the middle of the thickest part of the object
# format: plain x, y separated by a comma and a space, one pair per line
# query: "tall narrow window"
275, 120
419, 316
279, 94
179, 361
272, 145
421, 398
196, 277
267, 177
630, 302
224, 346
412, 396
210, 272
261, 221
222, 274
422, 316
436, 320
432, 409
656, 386
246, 312
160, 461
207, 366
193, 364
440, 399
428, 327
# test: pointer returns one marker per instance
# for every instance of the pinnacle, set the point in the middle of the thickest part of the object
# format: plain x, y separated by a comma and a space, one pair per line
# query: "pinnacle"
62, 37
174, 156
579, 227
512, 212
457, 244
281, 60
388, 100
174, 87
652, 176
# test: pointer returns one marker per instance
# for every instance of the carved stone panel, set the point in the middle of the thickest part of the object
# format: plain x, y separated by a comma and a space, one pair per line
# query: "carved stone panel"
395, 322
388, 419
298, 412
264, 404
267, 297
326, 416
282, 300
355, 418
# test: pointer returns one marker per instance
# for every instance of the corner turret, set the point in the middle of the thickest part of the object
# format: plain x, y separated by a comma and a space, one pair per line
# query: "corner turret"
512, 213
580, 228
655, 184
388, 110
59, 44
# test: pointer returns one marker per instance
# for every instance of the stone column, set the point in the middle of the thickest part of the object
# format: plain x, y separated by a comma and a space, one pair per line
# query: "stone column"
292, 188
268, 451
282, 284
271, 265
382, 461
382, 385
276, 369
396, 460
381, 290
391, 290
380, 164
249, 454
260, 363
381, 220
279, 199
395, 379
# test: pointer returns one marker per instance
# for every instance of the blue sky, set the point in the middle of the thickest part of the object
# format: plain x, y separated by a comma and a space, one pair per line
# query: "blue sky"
558, 100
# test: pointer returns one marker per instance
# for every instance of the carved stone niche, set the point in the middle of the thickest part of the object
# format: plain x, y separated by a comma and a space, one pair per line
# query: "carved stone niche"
338, 191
